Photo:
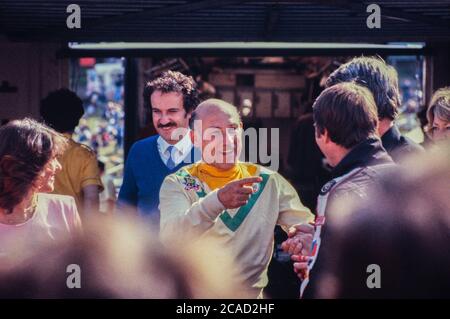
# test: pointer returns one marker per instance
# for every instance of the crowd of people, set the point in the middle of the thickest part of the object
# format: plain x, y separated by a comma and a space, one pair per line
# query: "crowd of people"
192, 221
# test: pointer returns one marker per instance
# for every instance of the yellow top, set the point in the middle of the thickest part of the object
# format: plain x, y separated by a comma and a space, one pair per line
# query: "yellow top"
216, 178
79, 169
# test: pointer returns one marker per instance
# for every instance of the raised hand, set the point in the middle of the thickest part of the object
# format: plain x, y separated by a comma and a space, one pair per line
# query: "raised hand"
236, 194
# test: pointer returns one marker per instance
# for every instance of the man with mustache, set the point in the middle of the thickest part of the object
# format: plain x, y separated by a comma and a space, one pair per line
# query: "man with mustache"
172, 97
235, 203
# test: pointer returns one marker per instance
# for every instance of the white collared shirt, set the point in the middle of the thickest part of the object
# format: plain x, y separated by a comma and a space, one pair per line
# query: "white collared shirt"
180, 151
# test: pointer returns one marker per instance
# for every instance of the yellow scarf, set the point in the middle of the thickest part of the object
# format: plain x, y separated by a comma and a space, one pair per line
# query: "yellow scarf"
216, 178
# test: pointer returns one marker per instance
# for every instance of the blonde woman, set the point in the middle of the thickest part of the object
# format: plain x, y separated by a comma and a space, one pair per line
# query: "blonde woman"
438, 115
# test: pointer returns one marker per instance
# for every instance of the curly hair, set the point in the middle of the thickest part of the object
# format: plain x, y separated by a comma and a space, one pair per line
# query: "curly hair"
380, 78
173, 81
26, 146
62, 110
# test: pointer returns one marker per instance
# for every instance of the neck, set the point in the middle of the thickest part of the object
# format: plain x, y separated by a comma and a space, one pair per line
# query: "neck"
20, 213
337, 155
221, 167
384, 125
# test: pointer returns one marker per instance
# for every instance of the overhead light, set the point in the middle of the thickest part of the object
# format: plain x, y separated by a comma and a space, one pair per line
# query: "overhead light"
238, 45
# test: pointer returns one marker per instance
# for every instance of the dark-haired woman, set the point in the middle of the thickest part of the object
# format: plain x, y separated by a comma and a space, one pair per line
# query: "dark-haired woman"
28, 164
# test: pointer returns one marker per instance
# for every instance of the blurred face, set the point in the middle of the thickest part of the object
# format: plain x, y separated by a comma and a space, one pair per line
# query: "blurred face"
440, 129
46, 180
221, 140
169, 117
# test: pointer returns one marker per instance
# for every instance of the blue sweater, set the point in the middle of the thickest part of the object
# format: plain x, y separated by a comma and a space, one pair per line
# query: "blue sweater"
143, 175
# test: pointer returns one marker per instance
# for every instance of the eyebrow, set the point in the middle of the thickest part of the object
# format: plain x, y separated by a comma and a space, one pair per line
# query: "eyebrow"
228, 126
170, 108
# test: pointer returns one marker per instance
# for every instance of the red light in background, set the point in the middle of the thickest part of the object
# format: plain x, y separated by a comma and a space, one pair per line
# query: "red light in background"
87, 62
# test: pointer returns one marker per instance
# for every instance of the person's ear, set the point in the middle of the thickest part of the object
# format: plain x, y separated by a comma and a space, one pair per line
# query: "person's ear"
191, 135
377, 130
196, 138
37, 184
326, 136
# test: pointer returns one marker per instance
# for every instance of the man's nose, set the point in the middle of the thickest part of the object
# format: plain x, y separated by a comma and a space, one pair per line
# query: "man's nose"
165, 118
231, 137
440, 136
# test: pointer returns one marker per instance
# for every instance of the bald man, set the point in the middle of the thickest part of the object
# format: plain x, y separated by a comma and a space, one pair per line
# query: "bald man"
235, 203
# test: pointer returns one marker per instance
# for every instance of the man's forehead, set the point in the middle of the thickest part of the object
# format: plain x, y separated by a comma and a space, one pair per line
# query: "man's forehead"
219, 119
164, 93
166, 99
217, 110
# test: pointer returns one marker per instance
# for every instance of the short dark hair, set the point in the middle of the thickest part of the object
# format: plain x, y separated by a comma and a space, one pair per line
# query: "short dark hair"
380, 78
348, 112
62, 110
173, 81
26, 146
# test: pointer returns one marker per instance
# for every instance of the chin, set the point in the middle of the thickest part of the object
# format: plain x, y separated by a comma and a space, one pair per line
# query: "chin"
47, 189
163, 135
224, 166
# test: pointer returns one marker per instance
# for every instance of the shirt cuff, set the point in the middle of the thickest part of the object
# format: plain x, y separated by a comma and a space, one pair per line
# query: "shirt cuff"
212, 205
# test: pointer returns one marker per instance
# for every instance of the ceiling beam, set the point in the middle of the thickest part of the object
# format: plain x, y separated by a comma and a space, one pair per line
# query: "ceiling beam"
166, 11
359, 7
271, 21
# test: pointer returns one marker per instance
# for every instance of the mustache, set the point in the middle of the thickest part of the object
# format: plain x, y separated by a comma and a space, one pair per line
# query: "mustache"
171, 124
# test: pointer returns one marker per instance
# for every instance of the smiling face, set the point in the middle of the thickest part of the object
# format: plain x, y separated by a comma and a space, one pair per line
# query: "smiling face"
221, 140
46, 179
169, 115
